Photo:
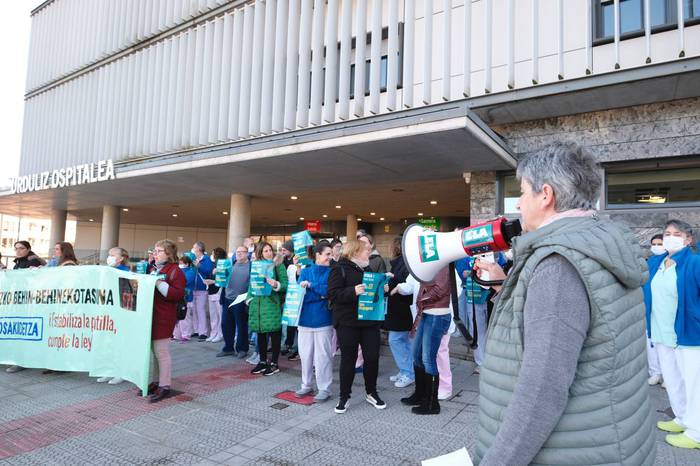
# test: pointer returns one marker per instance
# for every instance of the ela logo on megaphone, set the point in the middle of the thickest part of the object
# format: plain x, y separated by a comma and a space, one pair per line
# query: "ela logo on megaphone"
474, 236
428, 248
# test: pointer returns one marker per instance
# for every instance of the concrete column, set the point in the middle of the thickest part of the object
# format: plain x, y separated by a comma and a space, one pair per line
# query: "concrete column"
238, 221
482, 196
109, 236
351, 226
58, 228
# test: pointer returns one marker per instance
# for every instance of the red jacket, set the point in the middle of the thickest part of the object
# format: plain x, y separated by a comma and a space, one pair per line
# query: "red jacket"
164, 312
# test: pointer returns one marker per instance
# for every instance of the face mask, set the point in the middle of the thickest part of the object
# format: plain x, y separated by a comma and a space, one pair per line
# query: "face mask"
183, 266
509, 254
251, 248
657, 250
212, 258
111, 261
193, 251
673, 243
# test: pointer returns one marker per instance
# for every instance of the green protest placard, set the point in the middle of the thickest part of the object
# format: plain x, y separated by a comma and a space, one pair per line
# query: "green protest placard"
370, 304
78, 319
292, 304
301, 242
259, 272
223, 270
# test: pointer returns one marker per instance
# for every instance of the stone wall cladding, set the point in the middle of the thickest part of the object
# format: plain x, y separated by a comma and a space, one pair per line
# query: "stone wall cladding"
482, 195
666, 129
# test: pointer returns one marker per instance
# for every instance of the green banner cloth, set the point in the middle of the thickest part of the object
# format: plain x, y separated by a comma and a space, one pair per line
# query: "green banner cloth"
93, 319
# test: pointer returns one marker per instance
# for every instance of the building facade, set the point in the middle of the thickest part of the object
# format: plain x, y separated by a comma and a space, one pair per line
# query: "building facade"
225, 118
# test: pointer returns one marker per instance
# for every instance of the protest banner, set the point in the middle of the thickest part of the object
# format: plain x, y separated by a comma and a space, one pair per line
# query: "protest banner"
301, 241
371, 304
259, 272
292, 304
91, 319
223, 270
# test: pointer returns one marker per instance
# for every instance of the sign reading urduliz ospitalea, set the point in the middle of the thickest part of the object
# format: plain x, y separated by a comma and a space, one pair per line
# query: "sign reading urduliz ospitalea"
60, 178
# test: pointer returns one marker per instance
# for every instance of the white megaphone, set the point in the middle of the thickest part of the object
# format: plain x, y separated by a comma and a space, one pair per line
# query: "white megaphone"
426, 252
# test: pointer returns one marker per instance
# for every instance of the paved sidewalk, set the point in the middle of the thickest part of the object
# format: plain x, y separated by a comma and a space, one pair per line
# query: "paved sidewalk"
227, 416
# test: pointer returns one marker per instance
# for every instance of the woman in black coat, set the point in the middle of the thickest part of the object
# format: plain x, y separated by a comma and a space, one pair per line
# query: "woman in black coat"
344, 287
25, 257
399, 320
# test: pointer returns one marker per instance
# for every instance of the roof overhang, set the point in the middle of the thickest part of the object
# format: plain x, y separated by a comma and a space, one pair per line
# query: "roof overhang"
415, 145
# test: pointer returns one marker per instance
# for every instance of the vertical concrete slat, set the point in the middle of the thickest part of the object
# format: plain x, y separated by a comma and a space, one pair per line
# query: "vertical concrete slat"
344, 61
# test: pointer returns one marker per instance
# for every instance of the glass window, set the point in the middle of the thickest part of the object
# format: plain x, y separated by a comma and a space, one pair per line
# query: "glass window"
663, 13
511, 194
653, 187
691, 9
659, 12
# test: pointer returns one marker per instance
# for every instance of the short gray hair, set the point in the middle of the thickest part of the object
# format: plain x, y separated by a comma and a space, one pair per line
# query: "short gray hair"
200, 245
568, 169
683, 227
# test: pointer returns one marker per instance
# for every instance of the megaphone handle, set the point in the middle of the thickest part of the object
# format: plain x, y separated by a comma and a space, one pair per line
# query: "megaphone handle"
488, 283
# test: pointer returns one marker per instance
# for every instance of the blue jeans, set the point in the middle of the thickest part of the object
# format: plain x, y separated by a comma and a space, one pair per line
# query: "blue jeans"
400, 344
428, 337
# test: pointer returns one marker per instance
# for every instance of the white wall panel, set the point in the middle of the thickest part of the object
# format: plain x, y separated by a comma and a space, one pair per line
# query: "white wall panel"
360, 51
257, 67
217, 80
280, 67
268, 67
317, 61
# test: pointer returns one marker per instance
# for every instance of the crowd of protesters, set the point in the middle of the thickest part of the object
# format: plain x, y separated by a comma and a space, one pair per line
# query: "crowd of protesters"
576, 282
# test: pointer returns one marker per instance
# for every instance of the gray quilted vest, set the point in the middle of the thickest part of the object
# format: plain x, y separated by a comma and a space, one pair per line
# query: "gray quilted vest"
608, 418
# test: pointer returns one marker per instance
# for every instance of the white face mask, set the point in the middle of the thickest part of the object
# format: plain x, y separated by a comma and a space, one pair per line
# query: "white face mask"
673, 243
212, 258
193, 251
183, 266
509, 254
657, 250
111, 261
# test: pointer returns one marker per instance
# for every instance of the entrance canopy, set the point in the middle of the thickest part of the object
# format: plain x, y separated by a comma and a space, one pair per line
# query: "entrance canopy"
392, 163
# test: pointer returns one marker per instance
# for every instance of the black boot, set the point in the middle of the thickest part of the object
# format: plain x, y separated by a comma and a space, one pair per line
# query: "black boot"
430, 404
419, 393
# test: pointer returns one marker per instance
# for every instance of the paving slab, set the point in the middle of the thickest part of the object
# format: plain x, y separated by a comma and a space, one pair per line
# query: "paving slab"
227, 416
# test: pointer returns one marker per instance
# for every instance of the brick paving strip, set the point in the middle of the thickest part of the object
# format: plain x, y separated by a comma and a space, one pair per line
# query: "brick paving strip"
33, 432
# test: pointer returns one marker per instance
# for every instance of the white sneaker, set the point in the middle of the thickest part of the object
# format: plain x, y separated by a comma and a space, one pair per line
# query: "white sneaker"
217, 339
655, 379
444, 396
403, 382
115, 381
254, 359
395, 377
104, 379
208, 339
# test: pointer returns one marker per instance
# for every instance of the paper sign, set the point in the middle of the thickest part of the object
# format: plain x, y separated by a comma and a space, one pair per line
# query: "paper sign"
371, 304
456, 458
223, 269
301, 242
259, 272
292, 304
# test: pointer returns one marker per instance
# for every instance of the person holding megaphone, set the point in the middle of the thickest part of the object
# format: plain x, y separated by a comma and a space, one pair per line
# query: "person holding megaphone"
564, 376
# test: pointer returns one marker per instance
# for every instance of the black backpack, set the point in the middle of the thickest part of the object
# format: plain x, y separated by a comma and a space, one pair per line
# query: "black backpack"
181, 306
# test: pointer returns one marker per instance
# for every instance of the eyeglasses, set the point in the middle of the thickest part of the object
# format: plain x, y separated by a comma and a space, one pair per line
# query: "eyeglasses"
156, 251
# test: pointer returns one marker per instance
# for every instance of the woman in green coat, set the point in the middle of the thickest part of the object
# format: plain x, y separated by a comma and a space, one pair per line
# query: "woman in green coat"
265, 312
